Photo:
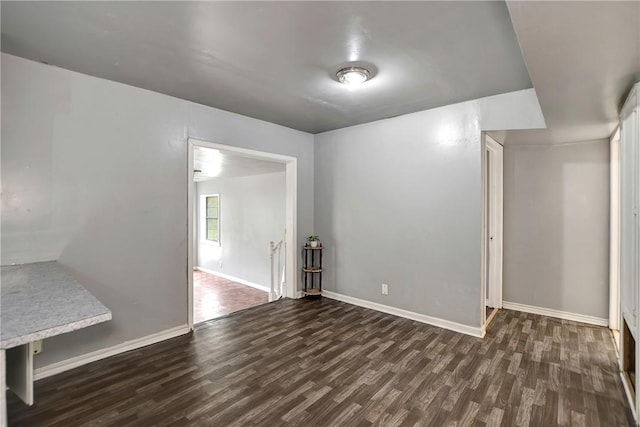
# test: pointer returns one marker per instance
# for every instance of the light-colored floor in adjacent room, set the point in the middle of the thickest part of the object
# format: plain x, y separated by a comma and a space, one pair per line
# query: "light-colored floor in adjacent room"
214, 296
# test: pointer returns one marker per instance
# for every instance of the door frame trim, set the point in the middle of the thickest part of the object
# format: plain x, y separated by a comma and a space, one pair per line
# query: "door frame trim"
291, 212
614, 236
492, 148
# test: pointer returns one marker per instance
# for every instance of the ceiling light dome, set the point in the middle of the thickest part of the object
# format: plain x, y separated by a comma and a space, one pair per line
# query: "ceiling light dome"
353, 76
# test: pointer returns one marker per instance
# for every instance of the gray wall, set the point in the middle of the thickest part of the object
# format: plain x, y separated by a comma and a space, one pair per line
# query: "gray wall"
399, 201
556, 226
252, 213
94, 173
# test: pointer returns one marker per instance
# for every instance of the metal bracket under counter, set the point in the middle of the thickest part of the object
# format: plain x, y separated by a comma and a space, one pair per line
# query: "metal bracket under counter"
38, 301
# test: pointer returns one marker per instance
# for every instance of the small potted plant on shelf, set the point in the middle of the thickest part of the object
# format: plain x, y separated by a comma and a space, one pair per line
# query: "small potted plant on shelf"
313, 241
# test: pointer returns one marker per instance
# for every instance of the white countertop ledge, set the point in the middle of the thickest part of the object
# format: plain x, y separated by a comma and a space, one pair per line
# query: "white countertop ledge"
41, 300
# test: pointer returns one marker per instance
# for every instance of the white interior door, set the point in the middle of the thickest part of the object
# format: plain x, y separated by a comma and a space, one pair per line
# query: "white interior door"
629, 190
494, 229
493, 186
629, 231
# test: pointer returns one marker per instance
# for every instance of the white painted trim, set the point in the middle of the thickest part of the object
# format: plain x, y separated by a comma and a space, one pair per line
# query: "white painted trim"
497, 175
592, 320
630, 395
246, 152
235, 279
191, 190
483, 233
74, 362
630, 227
291, 230
491, 316
614, 233
475, 331
3, 390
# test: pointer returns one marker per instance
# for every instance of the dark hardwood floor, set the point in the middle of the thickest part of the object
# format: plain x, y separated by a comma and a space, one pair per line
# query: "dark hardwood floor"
326, 363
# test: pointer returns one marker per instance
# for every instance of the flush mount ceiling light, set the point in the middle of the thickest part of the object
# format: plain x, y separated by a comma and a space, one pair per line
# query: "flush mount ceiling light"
353, 76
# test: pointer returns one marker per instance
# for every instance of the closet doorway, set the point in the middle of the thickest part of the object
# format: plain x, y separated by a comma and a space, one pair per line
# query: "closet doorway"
492, 190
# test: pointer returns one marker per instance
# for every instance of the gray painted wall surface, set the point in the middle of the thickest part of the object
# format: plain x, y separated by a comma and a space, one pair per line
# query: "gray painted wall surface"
94, 173
398, 201
252, 213
556, 226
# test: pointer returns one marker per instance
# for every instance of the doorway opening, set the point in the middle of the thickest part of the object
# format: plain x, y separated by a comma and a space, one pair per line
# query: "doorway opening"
241, 228
492, 219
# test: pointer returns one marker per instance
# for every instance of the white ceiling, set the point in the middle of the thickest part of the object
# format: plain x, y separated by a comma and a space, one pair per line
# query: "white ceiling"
583, 58
276, 60
209, 163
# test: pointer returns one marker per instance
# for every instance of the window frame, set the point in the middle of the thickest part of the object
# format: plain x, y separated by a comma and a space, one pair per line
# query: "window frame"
203, 220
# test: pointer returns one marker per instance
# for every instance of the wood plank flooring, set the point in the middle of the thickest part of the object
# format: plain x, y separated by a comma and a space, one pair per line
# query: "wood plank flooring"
215, 296
326, 363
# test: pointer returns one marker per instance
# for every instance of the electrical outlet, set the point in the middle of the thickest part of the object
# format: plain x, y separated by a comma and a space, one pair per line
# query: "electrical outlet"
385, 289
37, 347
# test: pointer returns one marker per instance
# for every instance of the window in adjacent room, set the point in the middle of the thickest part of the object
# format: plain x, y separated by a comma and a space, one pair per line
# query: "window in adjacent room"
210, 218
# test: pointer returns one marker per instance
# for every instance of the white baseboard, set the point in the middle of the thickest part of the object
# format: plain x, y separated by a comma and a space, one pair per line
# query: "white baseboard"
592, 320
74, 362
234, 279
475, 331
